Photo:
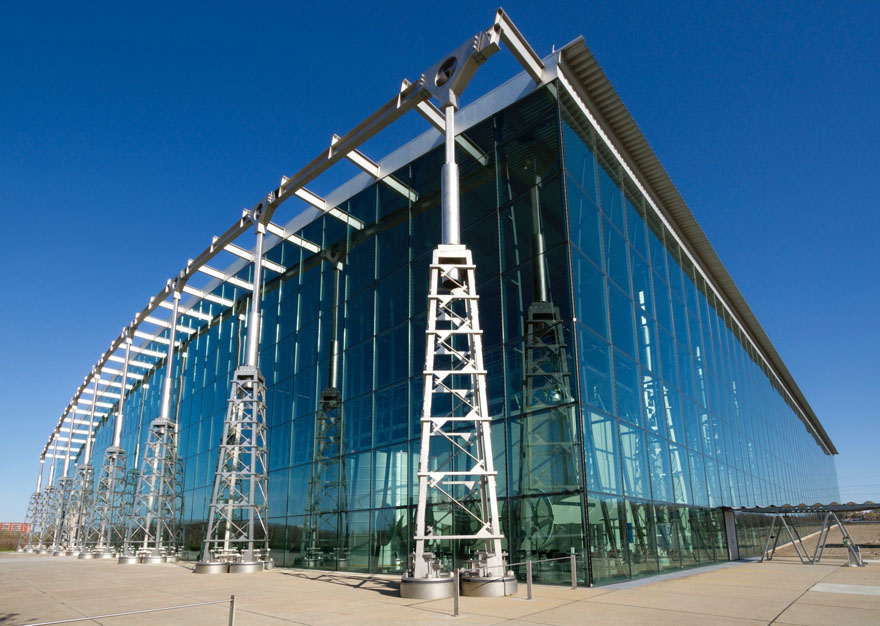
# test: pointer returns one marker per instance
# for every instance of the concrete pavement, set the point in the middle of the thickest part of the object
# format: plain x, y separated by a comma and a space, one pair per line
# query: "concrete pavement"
42, 588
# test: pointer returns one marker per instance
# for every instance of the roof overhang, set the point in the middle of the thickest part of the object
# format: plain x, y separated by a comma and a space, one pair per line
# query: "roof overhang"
634, 148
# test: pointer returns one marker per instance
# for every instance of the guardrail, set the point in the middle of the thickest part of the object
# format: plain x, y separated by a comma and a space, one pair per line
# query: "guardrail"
230, 602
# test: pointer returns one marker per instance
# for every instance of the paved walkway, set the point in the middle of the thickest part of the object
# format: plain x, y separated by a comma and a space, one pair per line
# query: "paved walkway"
35, 588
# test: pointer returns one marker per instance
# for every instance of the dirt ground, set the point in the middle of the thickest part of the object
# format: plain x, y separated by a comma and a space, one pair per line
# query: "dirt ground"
865, 534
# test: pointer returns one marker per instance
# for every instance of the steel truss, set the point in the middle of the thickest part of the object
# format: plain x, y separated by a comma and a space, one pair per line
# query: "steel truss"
456, 471
325, 524
81, 506
65, 517
237, 530
853, 552
158, 497
108, 528
31, 519
327, 486
48, 519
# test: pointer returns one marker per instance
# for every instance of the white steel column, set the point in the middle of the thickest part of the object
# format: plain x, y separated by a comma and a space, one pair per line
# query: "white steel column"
83, 489
237, 539
156, 507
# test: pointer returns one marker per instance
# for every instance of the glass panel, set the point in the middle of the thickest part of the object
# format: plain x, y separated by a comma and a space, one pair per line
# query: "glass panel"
658, 461
590, 294
602, 457
595, 366
608, 559
641, 539
635, 462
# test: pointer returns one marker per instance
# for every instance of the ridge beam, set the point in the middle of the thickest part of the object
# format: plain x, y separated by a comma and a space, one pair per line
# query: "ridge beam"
373, 169
224, 277
241, 253
435, 117
282, 234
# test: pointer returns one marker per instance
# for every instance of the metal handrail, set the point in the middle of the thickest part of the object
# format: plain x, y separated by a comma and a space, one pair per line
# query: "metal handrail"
230, 601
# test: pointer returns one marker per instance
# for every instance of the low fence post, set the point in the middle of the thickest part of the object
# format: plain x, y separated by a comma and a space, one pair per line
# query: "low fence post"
232, 610
529, 579
574, 580
456, 591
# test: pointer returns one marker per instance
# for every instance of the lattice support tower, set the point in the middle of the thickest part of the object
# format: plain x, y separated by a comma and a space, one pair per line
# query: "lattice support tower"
548, 425
156, 506
27, 539
82, 505
327, 493
156, 511
64, 516
108, 527
237, 538
460, 485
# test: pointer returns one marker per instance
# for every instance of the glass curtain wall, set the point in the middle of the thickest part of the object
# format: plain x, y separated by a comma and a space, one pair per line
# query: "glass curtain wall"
627, 407
679, 415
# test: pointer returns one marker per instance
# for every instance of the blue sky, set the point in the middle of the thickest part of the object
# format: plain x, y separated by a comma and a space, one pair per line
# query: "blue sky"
131, 134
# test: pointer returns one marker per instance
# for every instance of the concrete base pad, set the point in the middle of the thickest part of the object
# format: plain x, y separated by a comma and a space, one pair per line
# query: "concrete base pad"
127, 560
427, 588
105, 555
85, 555
58, 553
488, 586
171, 558
217, 567
246, 568
71, 553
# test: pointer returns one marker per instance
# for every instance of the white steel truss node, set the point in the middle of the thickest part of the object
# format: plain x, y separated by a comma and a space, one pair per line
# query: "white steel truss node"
31, 520
237, 532
158, 498
456, 473
108, 527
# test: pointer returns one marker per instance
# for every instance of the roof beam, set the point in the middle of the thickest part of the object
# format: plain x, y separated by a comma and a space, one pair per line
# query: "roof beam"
372, 168
241, 253
155, 321
435, 117
210, 297
131, 362
191, 312
282, 234
224, 277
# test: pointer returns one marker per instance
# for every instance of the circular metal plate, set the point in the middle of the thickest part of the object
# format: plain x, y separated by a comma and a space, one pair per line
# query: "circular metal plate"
427, 588
151, 560
488, 586
246, 568
217, 567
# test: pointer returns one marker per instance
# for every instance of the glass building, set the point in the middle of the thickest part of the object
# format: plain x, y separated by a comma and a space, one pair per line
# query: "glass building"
646, 401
